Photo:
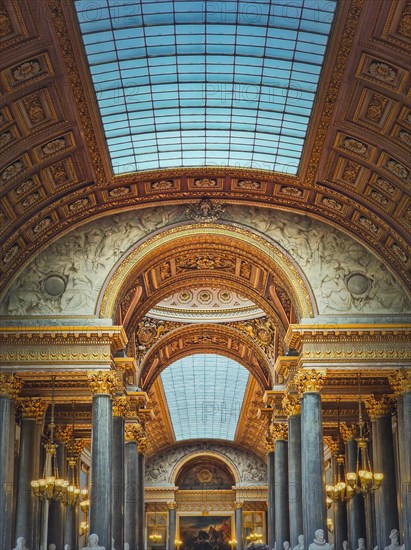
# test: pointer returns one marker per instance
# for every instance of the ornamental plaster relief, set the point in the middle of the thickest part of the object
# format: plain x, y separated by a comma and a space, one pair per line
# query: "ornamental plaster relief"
67, 277
251, 470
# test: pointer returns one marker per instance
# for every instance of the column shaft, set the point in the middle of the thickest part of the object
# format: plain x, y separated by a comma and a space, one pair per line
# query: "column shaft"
57, 510
282, 532
101, 470
141, 511
7, 439
294, 478
405, 466
117, 512
130, 501
271, 498
340, 525
27, 506
239, 527
71, 527
171, 528
386, 495
355, 507
312, 462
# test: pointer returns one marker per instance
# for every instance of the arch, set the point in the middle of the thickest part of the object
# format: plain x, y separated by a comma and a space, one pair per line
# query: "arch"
225, 341
213, 454
143, 255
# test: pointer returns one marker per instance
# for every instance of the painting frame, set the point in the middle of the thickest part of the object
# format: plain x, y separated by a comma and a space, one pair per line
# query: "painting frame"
205, 532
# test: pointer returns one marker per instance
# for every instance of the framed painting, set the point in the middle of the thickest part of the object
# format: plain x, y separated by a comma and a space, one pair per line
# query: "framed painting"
205, 532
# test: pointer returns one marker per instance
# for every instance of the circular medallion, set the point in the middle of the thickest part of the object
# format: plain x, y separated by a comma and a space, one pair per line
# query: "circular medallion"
357, 284
55, 285
204, 476
204, 297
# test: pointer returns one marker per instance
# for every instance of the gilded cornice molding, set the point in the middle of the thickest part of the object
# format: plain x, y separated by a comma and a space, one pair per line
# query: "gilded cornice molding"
297, 335
121, 406
32, 408
10, 385
291, 405
400, 381
310, 381
278, 431
376, 408
103, 383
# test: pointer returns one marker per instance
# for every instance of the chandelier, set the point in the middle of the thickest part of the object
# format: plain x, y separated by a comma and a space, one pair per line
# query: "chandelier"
363, 480
50, 486
155, 537
340, 490
254, 537
74, 493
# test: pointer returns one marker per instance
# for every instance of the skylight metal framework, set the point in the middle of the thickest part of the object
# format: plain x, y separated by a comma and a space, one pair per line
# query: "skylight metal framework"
204, 393
188, 83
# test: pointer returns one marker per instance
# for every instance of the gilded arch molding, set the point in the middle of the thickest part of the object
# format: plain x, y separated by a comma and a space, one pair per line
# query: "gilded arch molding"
201, 338
272, 256
204, 454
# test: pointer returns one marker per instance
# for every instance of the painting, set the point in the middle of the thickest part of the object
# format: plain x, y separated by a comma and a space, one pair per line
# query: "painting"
205, 532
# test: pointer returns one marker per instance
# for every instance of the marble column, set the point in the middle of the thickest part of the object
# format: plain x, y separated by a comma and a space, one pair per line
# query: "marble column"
383, 462
141, 509
102, 385
355, 507
172, 517
56, 515
131, 480
312, 453
401, 383
293, 410
238, 518
282, 530
9, 389
120, 408
27, 505
271, 491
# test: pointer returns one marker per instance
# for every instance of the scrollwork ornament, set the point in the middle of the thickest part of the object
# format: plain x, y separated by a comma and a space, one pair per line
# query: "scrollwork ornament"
291, 405
103, 383
10, 385
400, 381
279, 431
33, 408
376, 408
309, 381
121, 406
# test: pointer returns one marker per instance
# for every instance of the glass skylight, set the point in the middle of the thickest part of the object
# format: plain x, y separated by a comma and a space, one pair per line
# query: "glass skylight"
188, 83
204, 393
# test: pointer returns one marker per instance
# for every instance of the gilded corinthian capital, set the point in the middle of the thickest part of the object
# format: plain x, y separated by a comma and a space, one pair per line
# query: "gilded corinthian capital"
291, 405
348, 432
121, 406
377, 408
279, 431
309, 380
10, 385
33, 408
400, 381
103, 383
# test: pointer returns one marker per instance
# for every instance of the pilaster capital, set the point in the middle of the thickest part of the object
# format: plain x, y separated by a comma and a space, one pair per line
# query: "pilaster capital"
269, 444
63, 434
142, 445
238, 504
103, 383
10, 385
400, 381
376, 408
121, 406
33, 408
310, 380
172, 505
131, 432
332, 444
291, 405
348, 433
279, 431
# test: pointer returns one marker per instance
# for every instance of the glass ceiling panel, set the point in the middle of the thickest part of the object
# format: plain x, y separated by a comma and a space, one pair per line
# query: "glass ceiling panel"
201, 69
204, 393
